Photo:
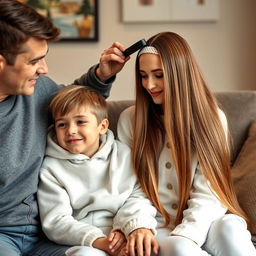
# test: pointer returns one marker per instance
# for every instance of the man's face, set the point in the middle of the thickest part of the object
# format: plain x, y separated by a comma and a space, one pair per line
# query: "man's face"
20, 78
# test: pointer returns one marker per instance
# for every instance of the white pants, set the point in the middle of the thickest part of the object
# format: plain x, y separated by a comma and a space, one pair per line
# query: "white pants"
227, 236
84, 251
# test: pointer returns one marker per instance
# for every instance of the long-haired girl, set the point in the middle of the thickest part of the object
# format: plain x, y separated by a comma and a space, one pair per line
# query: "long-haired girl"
181, 153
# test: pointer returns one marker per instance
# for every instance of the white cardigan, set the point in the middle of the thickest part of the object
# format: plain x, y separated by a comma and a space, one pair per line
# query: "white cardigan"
203, 205
82, 199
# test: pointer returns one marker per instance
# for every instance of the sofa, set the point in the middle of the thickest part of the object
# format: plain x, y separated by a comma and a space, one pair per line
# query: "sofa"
240, 109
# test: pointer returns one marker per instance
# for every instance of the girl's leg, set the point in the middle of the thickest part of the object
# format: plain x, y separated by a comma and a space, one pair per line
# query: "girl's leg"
84, 251
228, 236
177, 245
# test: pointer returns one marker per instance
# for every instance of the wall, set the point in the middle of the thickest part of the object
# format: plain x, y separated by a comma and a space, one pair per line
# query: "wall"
225, 50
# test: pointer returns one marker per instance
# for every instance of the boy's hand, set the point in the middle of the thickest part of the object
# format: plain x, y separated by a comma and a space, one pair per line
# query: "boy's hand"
116, 240
101, 243
140, 243
112, 61
112, 245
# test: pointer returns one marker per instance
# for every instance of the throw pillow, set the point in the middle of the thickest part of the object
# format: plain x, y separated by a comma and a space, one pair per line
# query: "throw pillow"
244, 177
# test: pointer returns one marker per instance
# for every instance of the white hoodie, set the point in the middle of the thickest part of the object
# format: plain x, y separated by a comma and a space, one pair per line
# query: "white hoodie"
82, 198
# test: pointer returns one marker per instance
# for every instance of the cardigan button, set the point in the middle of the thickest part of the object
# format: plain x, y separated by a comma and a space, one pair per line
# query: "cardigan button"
174, 206
169, 186
168, 165
168, 145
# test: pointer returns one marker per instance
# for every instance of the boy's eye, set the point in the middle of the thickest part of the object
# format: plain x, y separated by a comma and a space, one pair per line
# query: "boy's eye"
81, 122
60, 125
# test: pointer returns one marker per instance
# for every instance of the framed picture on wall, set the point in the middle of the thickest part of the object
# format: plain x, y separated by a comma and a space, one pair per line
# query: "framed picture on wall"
77, 19
170, 10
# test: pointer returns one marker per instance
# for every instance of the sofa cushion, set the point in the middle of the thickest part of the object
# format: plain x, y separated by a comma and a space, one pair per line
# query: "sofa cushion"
114, 110
244, 176
239, 107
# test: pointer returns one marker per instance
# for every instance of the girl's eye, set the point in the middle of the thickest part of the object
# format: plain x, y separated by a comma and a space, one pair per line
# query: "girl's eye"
159, 76
143, 76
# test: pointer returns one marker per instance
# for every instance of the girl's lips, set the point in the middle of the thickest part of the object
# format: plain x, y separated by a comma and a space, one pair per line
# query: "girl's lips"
155, 94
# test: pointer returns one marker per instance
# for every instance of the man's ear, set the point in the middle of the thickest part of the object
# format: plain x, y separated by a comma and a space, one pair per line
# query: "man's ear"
104, 126
2, 62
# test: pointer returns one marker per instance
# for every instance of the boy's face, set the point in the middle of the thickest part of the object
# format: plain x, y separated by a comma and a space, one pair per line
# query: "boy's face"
78, 131
20, 78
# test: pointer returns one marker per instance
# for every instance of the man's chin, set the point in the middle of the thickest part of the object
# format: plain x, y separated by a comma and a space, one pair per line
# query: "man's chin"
29, 91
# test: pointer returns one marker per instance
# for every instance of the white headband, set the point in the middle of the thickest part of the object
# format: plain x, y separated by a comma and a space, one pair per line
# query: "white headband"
148, 49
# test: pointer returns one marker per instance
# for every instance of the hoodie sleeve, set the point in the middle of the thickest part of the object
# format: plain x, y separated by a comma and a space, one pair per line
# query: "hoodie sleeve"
137, 212
56, 215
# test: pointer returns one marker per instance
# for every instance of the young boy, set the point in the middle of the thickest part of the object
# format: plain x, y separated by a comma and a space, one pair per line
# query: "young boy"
88, 195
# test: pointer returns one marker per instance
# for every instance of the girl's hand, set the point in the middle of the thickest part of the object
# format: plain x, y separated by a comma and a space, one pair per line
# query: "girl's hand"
111, 62
140, 243
116, 240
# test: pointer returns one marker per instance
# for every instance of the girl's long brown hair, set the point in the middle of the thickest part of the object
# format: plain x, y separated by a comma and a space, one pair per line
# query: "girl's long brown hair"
191, 124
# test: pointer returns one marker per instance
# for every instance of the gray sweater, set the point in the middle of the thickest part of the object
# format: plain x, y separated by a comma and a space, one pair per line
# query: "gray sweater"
23, 132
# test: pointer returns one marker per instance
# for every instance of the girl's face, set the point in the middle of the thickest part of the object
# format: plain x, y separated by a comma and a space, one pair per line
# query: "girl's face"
151, 72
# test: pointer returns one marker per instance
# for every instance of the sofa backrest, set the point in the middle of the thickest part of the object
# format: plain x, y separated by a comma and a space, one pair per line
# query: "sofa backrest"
239, 107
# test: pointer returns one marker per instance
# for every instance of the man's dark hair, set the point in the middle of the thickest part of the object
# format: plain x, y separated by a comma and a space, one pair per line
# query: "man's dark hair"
18, 23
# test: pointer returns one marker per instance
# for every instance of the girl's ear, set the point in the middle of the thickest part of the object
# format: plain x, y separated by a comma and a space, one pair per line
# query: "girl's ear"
104, 126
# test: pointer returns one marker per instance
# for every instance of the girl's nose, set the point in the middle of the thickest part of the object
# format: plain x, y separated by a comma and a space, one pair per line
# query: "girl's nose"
150, 83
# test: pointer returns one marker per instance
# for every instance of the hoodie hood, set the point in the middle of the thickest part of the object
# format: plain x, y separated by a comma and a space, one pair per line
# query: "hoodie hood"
55, 151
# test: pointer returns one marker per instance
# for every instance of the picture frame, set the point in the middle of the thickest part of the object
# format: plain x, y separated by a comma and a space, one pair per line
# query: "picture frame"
76, 19
194, 10
134, 11
145, 10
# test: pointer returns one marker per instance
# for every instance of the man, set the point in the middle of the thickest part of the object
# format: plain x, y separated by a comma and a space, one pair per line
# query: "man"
25, 93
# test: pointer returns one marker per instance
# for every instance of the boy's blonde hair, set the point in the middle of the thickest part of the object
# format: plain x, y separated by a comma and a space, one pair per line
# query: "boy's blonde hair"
76, 96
